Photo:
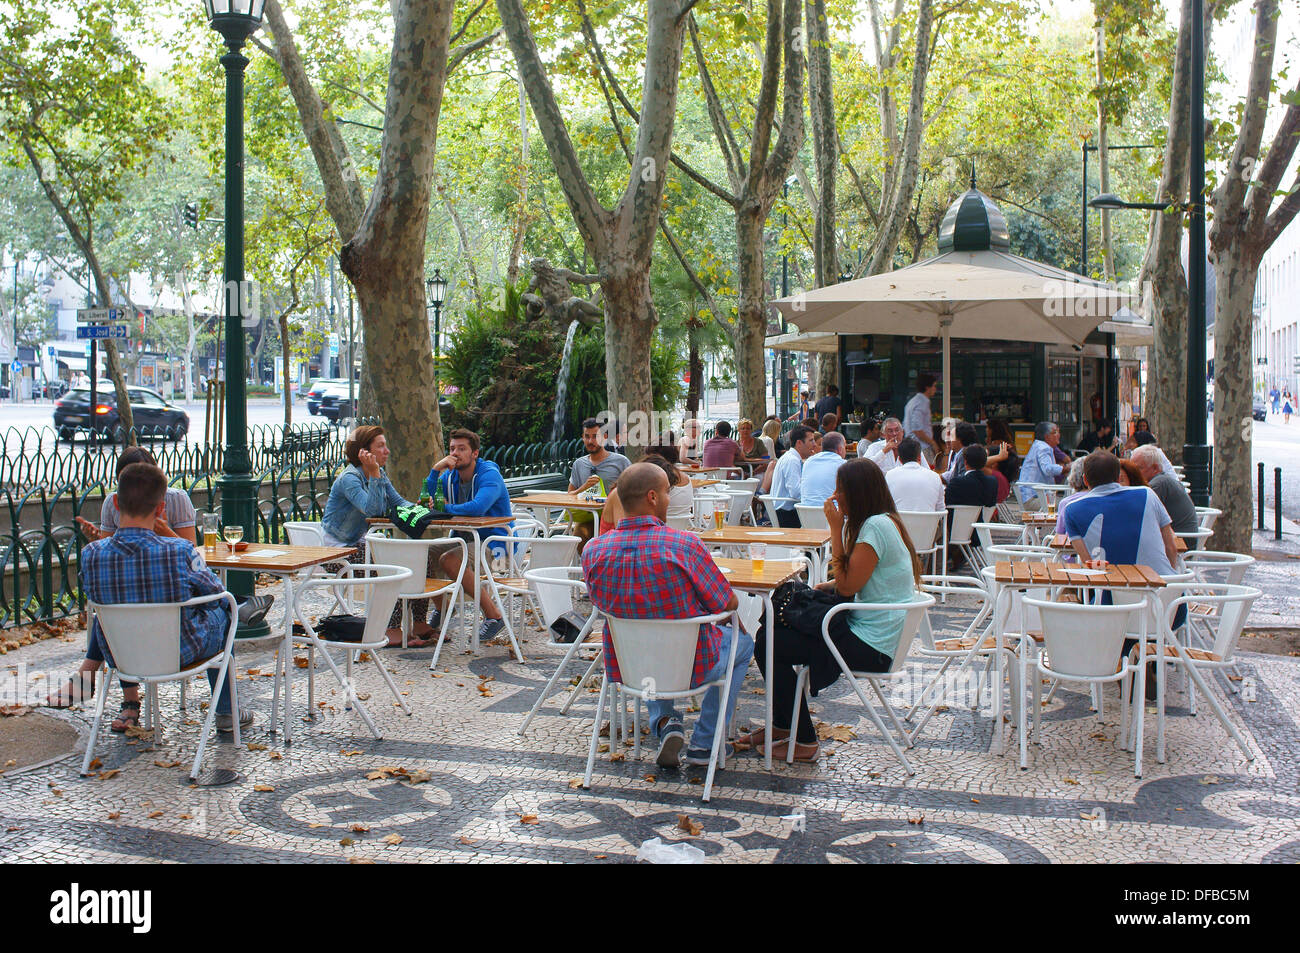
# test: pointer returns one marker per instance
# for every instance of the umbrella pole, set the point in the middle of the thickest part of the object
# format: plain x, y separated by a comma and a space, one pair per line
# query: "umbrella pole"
945, 324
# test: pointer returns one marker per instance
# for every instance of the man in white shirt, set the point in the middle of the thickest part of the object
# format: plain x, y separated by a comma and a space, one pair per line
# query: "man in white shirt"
914, 487
788, 473
818, 482
917, 415
884, 452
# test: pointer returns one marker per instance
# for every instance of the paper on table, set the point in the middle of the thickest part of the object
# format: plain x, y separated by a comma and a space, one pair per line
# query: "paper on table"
766, 532
263, 552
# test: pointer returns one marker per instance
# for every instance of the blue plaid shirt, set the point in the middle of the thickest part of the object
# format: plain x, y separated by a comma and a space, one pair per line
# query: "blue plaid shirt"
138, 565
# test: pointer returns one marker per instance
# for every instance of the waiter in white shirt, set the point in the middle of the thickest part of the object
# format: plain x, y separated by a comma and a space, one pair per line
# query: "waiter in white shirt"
915, 487
884, 452
917, 415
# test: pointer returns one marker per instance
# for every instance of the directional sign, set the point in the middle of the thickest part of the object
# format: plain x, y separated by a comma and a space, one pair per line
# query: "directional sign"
101, 332
101, 315
16, 367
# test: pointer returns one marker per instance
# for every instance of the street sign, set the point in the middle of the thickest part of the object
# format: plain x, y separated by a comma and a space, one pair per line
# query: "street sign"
50, 350
100, 332
16, 367
100, 315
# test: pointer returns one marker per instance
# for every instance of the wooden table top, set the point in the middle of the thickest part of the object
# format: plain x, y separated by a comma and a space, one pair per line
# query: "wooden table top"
699, 484
1061, 541
271, 557
740, 573
775, 536
1040, 516
560, 500
456, 522
1059, 574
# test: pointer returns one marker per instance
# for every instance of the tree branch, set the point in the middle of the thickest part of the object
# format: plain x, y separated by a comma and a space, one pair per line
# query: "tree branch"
377, 107
455, 37
1278, 158
461, 53
722, 131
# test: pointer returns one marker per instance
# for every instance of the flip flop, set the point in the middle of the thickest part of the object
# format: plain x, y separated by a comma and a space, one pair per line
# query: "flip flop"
75, 694
780, 749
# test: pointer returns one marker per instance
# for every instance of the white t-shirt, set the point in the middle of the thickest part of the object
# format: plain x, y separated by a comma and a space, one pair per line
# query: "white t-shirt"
877, 455
915, 488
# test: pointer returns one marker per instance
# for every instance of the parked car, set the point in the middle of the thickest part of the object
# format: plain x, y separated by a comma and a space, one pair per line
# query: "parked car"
152, 414
334, 403
1258, 409
317, 391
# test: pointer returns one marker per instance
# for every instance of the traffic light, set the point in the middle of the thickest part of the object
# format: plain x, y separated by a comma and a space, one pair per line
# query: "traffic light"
192, 215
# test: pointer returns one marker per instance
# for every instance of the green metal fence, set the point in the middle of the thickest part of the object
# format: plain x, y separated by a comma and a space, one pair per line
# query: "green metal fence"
46, 485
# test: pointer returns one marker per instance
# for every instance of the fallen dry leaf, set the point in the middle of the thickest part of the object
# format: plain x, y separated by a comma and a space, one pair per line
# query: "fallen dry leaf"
96, 764
393, 839
603, 748
105, 775
575, 783
1087, 817
527, 818
649, 777
360, 860
234, 832
155, 814
359, 829
299, 662
263, 787
315, 824
827, 732
167, 764
974, 800
1211, 779
350, 754
435, 674
684, 823
916, 820
347, 842
255, 746
186, 817
275, 756
618, 756
467, 840
114, 815
601, 856
1069, 780
418, 777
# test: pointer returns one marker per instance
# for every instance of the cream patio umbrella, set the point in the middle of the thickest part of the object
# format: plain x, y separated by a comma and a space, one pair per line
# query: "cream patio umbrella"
974, 288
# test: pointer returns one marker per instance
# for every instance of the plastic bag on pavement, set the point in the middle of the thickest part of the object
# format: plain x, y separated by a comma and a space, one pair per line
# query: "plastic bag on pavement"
655, 851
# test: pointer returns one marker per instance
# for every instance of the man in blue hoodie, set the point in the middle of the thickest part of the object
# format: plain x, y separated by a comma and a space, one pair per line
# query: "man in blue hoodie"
471, 487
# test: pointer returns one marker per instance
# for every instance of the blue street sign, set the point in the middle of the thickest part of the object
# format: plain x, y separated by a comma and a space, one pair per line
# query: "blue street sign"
50, 349
101, 331
16, 367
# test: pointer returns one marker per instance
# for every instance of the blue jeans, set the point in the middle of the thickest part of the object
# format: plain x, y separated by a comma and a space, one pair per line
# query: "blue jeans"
95, 652
707, 723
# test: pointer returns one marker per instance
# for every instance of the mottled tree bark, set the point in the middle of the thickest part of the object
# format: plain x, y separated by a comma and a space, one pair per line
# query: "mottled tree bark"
1162, 266
385, 258
1245, 223
825, 142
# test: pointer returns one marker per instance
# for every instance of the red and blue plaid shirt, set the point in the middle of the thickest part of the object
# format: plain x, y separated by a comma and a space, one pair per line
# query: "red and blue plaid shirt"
138, 565
644, 570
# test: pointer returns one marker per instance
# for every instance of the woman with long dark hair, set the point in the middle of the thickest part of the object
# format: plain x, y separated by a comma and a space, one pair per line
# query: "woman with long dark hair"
874, 561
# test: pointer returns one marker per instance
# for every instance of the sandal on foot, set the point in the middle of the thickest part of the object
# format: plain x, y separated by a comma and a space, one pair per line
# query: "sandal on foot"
758, 737
78, 688
803, 753
128, 717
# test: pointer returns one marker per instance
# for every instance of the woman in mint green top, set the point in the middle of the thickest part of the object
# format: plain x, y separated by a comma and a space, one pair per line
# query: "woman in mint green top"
874, 562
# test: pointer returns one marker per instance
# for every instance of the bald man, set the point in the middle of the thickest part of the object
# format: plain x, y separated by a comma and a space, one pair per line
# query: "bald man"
642, 569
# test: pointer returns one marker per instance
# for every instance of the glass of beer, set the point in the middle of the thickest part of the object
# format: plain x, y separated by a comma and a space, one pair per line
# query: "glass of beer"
1051, 503
210, 522
757, 554
719, 513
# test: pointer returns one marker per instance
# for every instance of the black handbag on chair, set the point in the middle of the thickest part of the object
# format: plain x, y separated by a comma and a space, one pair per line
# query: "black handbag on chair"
800, 611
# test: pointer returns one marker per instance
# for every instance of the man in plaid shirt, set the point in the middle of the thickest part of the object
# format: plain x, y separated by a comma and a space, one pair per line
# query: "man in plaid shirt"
644, 570
137, 565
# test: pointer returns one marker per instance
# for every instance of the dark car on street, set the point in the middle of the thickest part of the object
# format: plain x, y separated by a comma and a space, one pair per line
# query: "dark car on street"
317, 391
334, 403
152, 414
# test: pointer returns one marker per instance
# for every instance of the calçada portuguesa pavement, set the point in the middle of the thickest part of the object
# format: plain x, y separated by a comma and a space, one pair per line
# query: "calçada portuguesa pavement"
455, 782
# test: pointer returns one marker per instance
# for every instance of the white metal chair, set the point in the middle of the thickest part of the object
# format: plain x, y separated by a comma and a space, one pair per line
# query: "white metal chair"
304, 533
655, 660
1084, 643
962, 532
1020, 552
413, 555
680, 522
914, 609
555, 588
770, 504
1207, 515
991, 534
738, 506
380, 586
988, 513
702, 507
1210, 566
144, 641
1231, 605
812, 516
973, 641
534, 553
928, 530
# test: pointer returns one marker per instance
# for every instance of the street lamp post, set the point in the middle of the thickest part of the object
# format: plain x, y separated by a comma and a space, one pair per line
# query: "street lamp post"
437, 288
236, 21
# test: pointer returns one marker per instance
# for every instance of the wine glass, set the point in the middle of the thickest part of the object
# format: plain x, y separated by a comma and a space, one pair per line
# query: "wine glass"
233, 535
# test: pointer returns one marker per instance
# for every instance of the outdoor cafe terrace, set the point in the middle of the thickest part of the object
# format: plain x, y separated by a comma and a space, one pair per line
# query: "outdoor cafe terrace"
490, 763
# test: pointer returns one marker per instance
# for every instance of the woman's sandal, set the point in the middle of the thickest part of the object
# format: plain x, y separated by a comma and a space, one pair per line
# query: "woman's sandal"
72, 693
758, 737
803, 753
128, 717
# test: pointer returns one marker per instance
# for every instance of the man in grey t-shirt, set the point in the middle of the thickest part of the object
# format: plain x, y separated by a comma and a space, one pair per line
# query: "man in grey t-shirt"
1178, 504
599, 467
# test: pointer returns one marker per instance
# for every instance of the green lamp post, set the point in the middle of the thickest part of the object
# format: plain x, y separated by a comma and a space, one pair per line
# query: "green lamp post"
236, 21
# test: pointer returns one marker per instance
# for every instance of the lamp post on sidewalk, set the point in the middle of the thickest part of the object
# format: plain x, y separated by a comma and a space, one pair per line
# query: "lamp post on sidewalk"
236, 21
437, 288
